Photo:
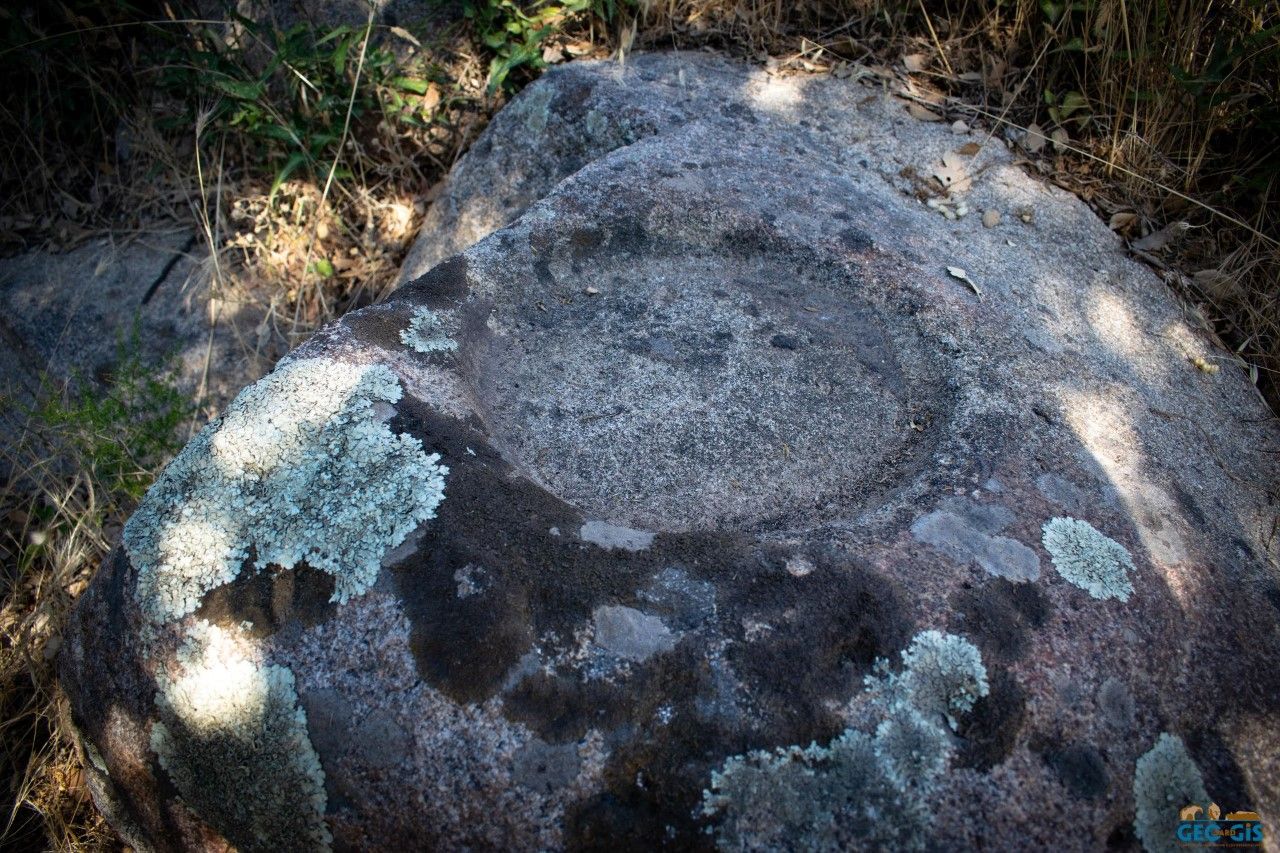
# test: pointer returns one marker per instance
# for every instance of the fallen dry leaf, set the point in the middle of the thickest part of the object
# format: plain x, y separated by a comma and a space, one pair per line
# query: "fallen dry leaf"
1159, 239
969, 149
1122, 220
406, 35
431, 98
959, 273
1216, 283
919, 112
1035, 139
995, 73
915, 62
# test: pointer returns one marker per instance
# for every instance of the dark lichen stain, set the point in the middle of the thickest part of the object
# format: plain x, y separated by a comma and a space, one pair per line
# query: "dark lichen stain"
271, 599
1123, 837
740, 112
536, 582
1223, 777
990, 730
856, 241
1000, 617
443, 286
570, 100
1080, 769
827, 629
380, 325
628, 234
788, 342
585, 240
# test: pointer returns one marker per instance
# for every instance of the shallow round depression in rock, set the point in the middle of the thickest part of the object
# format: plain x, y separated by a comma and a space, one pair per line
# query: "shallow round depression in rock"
698, 391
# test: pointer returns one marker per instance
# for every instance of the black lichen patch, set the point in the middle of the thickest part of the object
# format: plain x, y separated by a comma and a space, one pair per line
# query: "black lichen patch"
584, 241
1080, 769
539, 577
857, 241
443, 286
1223, 778
379, 325
1123, 837
570, 99
825, 630
628, 234
989, 731
669, 719
999, 617
652, 786
271, 599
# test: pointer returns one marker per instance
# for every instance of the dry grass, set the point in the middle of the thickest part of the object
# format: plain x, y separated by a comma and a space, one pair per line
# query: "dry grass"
51, 807
1145, 144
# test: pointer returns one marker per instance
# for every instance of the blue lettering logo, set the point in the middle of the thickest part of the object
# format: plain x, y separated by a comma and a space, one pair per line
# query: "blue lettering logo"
1213, 829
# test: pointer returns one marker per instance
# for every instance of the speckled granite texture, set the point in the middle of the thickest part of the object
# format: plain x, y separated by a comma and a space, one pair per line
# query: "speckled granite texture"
744, 517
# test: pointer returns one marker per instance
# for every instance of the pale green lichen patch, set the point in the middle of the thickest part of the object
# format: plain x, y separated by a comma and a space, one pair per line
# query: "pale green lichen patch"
1165, 780
302, 467
943, 674
912, 750
426, 332
1084, 557
834, 797
233, 739
858, 791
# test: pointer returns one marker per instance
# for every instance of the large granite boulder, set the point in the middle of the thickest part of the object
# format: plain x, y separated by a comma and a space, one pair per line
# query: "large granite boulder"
701, 505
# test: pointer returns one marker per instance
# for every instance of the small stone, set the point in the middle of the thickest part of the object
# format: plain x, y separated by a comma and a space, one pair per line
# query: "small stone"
630, 633
990, 218
959, 128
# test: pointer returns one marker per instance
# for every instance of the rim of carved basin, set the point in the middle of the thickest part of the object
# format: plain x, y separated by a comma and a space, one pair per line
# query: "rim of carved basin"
691, 388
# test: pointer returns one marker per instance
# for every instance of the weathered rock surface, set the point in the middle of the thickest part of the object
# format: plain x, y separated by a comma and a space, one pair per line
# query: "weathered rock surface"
74, 315
593, 535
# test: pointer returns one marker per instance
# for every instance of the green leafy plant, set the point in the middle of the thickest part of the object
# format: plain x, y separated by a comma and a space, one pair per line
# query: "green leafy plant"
291, 94
1069, 106
122, 433
515, 32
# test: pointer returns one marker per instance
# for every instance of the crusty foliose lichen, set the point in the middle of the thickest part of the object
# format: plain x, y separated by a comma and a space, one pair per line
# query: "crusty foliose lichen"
858, 791
943, 674
300, 467
1084, 557
1165, 780
233, 739
426, 332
